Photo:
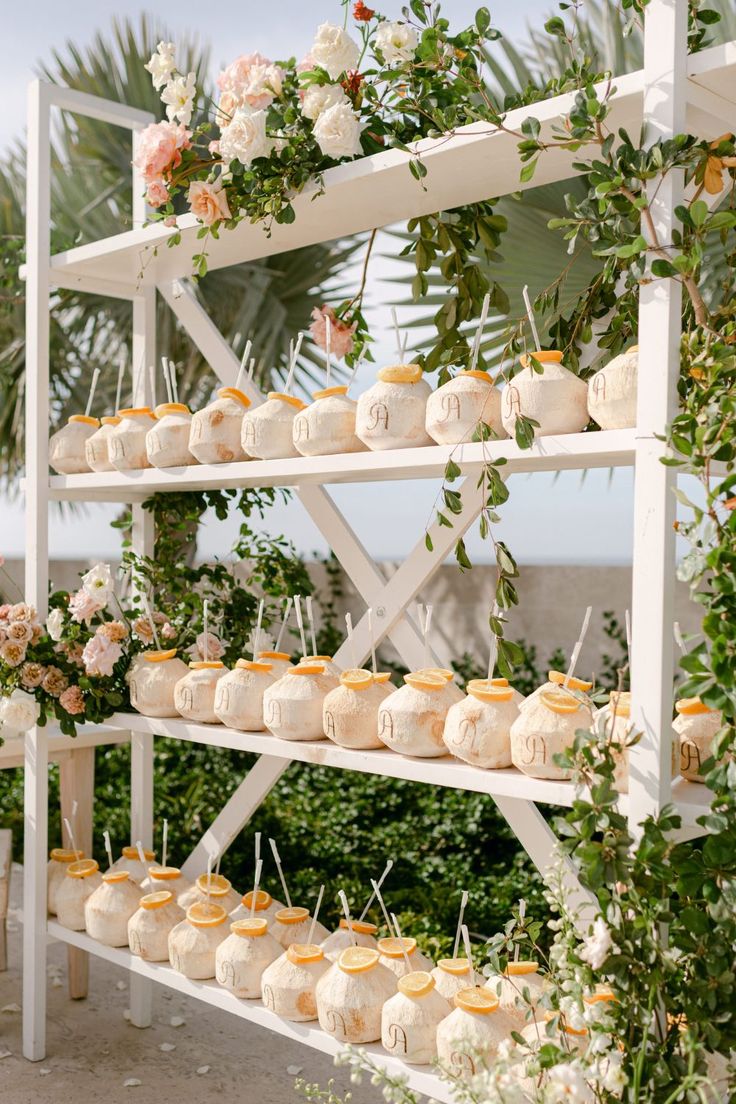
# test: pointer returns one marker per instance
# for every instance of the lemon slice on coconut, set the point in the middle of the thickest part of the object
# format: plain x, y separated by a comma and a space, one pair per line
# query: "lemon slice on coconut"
396, 948
423, 680
484, 690
442, 672
204, 915
159, 657
480, 1001
355, 960
356, 678
400, 373
292, 915
560, 702
572, 683
299, 953
416, 984
382, 676
456, 966
690, 707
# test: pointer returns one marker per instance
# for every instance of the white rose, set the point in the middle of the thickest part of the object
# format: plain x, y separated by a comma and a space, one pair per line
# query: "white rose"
318, 97
337, 132
20, 711
597, 945
178, 95
162, 64
334, 50
55, 624
98, 583
244, 138
396, 41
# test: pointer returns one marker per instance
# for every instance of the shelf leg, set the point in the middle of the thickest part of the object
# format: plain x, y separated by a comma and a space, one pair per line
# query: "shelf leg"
141, 828
77, 784
36, 797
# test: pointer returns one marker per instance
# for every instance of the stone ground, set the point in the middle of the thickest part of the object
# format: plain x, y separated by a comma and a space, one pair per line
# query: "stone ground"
92, 1051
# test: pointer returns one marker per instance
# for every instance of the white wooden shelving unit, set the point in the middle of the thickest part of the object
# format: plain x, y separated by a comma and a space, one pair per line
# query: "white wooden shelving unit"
672, 93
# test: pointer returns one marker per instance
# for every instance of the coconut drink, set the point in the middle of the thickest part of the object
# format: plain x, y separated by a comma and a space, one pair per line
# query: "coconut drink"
60, 859
214, 435
468, 1039
166, 878
82, 878
293, 925
68, 446
351, 996
194, 941
546, 728
391, 413
509, 987
612, 391
358, 933
241, 958
292, 706
194, 694
126, 444
239, 694
330, 669
108, 910
96, 447
288, 985
267, 432
412, 719
350, 711
266, 907
456, 410
401, 956
556, 398
327, 425
280, 662
410, 1018
696, 725
215, 888
557, 680
167, 442
478, 728
453, 974
152, 681
150, 925
130, 860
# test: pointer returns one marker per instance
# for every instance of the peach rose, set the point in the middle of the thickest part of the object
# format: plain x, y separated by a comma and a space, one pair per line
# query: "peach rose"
208, 202
159, 149
157, 193
341, 335
72, 700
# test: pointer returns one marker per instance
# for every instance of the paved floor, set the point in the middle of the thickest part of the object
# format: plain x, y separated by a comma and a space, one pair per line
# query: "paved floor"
93, 1051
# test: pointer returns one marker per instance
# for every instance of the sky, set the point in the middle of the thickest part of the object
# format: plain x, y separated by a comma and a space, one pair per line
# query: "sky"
568, 518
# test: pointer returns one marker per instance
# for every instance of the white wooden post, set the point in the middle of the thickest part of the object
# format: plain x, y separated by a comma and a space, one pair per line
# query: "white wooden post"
665, 61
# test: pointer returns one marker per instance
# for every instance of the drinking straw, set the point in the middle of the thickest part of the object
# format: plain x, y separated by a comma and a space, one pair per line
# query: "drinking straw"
92, 389
70, 833
493, 651
141, 853
479, 331
328, 335
108, 848
152, 383
300, 623
174, 384
351, 638
277, 860
206, 616
256, 883
530, 316
379, 883
251, 368
282, 630
468, 953
121, 374
136, 380
292, 362
167, 378
209, 878
354, 372
258, 845
401, 941
679, 639
310, 618
427, 623
164, 843
243, 359
578, 646
217, 865
463, 903
377, 894
149, 615
346, 910
522, 914
399, 346
257, 633
373, 641
315, 914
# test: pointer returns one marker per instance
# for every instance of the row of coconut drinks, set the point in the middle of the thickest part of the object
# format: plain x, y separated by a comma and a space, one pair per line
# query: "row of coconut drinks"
400, 411
491, 726
360, 988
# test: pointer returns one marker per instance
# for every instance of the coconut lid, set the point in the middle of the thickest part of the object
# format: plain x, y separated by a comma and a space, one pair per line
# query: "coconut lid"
479, 1002
249, 928
114, 876
356, 960
484, 690
522, 967
164, 873
217, 884
135, 411
253, 665
396, 948
300, 953
689, 707
570, 683
84, 419
82, 868
400, 373
291, 399
65, 855
362, 927
234, 393
544, 356
454, 966
132, 853
416, 984
356, 678
204, 915
110, 419
328, 392
156, 900
158, 657
263, 899
292, 915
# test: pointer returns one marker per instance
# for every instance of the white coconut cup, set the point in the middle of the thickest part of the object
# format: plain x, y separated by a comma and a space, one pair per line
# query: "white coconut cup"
327, 426
612, 392
519, 978
96, 447
363, 935
239, 695
478, 728
280, 662
194, 694
330, 669
455, 410
194, 941
241, 958
391, 413
68, 446
126, 445
214, 434
350, 712
349, 1003
695, 732
82, 878
395, 952
467, 1041
166, 878
267, 432
540, 732
108, 910
612, 721
453, 974
412, 719
152, 681
266, 907
167, 442
292, 706
410, 1018
151, 924
221, 893
60, 858
556, 398
293, 925
288, 985
130, 861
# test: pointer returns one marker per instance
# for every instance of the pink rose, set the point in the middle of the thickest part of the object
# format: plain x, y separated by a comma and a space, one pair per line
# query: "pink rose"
170, 220
159, 149
4, 611
208, 202
250, 80
100, 655
72, 700
306, 65
341, 335
214, 147
83, 606
157, 193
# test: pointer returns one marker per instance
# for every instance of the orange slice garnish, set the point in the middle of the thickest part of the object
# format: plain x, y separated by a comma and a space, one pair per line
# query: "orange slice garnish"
572, 683
206, 665
253, 665
477, 373
316, 659
249, 927
356, 960
130, 852
263, 899
291, 399
274, 655
382, 676
416, 984
560, 702
356, 678
400, 373
64, 855
216, 883
156, 900
425, 681
480, 1001
159, 657
307, 669
395, 948
689, 707
544, 356
110, 419
484, 690
600, 994
85, 419
292, 915
204, 915
362, 927
328, 392
164, 873
134, 411
113, 876
518, 969
299, 953
456, 966
234, 393
620, 704
170, 408
83, 868
442, 672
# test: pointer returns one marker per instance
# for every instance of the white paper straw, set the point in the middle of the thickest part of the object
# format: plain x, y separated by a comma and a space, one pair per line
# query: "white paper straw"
136, 378
251, 368
493, 650
256, 883
328, 336
468, 952
300, 623
149, 615
243, 359
165, 843
108, 848
374, 664
277, 860
70, 834
479, 331
310, 619
351, 639
258, 845
401, 941
379, 883
217, 865
292, 362
461, 917
206, 631
381, 902
167, 378
141, 854
174, 384
257, 633
578, 646
92, 389
282, 630
354, 372
530, 316
121, 374
679, 639
152, 384
346, 910
315, 914
522, 914
399, 347
427, 624
209, 878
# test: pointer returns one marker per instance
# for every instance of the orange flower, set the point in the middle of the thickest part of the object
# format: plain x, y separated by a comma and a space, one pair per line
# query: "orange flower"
714, 166
730, 503
362, 14
352, 82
